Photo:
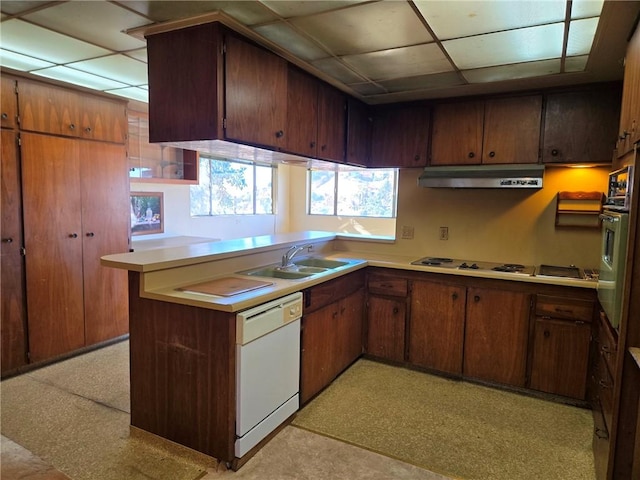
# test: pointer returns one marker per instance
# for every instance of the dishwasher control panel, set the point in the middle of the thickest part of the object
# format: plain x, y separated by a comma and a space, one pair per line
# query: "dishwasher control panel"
258, 321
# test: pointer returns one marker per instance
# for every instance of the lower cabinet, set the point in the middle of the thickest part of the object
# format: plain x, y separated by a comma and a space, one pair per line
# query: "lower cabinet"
436, 326
386, 317
496, 334
332, 331
561, 342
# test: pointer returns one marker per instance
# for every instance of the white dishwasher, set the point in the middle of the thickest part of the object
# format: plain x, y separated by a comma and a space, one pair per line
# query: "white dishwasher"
267, 369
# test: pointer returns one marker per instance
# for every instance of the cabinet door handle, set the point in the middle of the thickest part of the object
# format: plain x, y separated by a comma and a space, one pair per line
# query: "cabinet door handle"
601, 434
395, 310
4, 116
492, 154
416, 158
323, 148
471, 154
454, 296
88, 129
7, 240
279, 134
72, 126
73, 235
312, 144
547, 334
90, 234
605, 349
476, 298
603, 384
555, 152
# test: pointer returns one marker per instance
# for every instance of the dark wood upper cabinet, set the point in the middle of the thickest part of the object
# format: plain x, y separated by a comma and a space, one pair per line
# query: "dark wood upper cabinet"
358, 133
580, 126
255, 94
302, 113
493, 131
332, 123
8, 102
400, 136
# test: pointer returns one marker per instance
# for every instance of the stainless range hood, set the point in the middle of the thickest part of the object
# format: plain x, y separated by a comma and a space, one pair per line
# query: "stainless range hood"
483, 176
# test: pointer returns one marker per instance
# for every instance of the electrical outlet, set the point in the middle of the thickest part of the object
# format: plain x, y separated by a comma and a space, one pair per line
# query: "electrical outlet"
407, 232
444, 233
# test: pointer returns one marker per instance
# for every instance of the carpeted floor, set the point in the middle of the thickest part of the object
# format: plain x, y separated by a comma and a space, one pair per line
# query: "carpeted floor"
455, 428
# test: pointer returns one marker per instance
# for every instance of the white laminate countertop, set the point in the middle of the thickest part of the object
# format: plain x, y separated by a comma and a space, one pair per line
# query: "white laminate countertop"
166, 270
138, 245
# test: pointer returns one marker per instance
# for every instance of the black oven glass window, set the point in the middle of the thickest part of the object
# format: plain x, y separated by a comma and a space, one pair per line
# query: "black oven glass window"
609, 240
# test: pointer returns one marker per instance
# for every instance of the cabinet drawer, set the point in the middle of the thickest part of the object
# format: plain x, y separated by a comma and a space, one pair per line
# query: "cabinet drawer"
605, 392
608, 344
564, 308
383, 285
331, 291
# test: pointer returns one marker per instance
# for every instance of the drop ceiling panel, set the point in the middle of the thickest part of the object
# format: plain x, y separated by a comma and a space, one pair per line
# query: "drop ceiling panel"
576, 64
288, 9
117, 67
246, 12
66, 74
22, 37
21, 62
401, 62
140, 54
586, 8
336, 69
581, 33
514, 46
283, 35
365, 28
135, 93
466, 18
16, 7
438, 80
86, 20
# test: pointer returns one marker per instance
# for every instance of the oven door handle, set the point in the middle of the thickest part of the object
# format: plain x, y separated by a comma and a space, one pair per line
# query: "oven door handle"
608, 218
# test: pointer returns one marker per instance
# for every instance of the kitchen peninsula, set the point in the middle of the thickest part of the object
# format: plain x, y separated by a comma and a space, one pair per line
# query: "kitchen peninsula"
183, 343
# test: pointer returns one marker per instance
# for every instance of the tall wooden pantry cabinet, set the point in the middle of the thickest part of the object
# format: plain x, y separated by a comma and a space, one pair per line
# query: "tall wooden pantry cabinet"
73, 178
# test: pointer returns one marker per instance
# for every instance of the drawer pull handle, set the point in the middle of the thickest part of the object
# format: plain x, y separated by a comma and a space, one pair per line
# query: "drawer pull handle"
547, 334
476, 298
454, 296
601, 434
604, 384
73, 235
7, 240
395, 310
4, 116
562, 310
72, 126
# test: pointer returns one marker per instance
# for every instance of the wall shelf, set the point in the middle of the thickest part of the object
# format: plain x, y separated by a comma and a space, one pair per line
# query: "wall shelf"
579, 209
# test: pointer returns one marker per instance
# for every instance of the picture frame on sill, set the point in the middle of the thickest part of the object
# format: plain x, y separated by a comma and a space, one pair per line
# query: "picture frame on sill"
147, 213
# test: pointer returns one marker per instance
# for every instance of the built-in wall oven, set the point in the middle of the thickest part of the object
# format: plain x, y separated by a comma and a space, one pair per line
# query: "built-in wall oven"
613, 254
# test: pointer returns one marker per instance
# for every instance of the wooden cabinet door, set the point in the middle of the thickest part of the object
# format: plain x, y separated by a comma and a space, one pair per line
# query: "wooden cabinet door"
332, 123
560, 357
8, 102
358, 133
386, 327
317, 356
255, 94
105, 230
457, 133
512, 130
53, 242
581, 126
349, 330
630, 109
302, 113
103, 119
12, 299
400, 136
48, 109
436, 326
495, 342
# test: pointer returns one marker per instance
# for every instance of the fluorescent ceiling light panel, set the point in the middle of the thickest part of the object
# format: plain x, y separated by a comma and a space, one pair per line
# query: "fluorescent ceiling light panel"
86, 21
581, 34
118, 67
438, 80
17, 61
336, 69
77, 77
512, 72
290, 8
586, 8
22, 37
401, 62
514, 46
576, 64
455, 19
371, 27
134, 93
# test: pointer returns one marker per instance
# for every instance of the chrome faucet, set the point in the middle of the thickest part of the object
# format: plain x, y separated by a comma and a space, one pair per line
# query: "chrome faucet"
292, 252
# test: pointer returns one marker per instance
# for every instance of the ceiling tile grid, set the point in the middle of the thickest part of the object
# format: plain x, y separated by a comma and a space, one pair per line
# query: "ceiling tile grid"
380, 50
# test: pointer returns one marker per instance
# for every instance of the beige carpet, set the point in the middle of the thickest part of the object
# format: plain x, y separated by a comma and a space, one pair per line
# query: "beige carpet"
455, 428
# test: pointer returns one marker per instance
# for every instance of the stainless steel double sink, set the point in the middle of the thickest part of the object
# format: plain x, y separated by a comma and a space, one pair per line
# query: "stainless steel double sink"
303, 268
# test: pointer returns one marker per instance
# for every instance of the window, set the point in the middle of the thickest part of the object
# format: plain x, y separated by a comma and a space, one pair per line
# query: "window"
229, 187
356, 193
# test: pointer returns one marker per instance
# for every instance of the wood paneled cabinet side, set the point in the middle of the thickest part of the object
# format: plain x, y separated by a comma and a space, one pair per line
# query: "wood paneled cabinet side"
400, 136
359, 125
496, 336
12, 298
8, 102
580, 126
255, 94
436, 326
629, 132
